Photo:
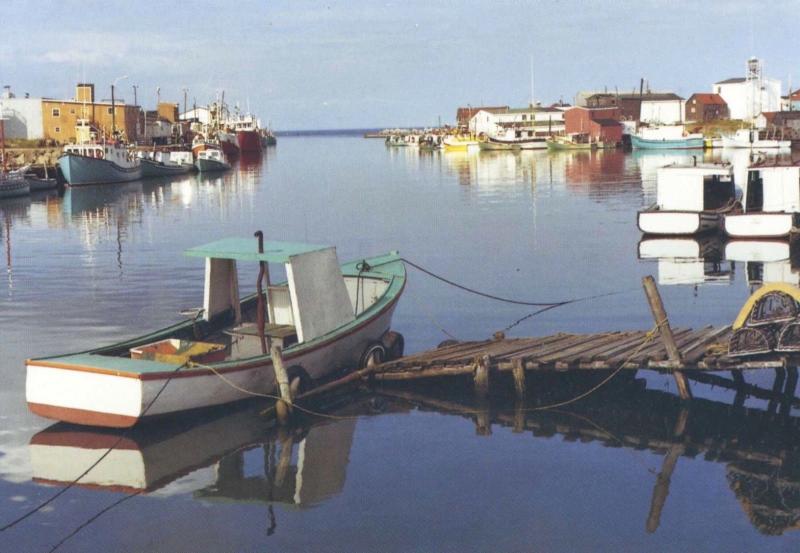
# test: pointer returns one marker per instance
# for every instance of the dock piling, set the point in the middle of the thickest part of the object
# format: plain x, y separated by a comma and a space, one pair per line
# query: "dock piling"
668, 339
518, 370
283, 407
482, 368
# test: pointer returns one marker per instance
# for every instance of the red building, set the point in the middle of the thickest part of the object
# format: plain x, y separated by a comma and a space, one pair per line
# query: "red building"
703, 106
600, 124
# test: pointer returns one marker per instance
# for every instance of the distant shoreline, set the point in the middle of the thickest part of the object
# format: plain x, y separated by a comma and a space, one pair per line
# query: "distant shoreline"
337, 132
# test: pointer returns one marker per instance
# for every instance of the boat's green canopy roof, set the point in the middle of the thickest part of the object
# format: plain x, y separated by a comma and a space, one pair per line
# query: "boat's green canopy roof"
246, 249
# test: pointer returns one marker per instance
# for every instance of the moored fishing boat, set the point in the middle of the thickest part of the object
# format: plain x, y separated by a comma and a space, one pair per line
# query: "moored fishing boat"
39, 183
770, 203
513, 142
326, 317
228, 143
690, 199
460, 143
751, 138
668, 137
573, 142
98, 163
211, 159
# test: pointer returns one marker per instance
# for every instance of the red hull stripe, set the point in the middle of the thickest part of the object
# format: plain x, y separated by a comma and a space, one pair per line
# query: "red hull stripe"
82, 416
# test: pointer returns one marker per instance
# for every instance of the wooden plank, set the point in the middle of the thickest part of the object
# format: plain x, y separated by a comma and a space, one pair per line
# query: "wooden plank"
586, 344
534, 352
476, 348
680, 341
429, 373
506, 352
694, 353
591, 346
655, 345
622, 344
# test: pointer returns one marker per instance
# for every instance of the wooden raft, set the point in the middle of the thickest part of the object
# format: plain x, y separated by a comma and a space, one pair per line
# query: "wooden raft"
702, 349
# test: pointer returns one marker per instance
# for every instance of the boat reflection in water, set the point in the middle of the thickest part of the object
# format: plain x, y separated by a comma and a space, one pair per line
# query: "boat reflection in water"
712, 259
688, 260
301, 466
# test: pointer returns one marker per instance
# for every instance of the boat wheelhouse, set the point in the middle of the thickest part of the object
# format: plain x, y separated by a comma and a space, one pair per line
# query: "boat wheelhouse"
771, 203
690, 199
325, 317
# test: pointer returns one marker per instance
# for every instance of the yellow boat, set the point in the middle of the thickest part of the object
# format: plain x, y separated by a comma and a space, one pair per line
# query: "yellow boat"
460, 143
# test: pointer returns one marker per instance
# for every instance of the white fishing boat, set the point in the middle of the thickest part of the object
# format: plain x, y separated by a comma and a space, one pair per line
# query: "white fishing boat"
771, 202
211, 159
165, 164
666, 137
327, 318
690, 199
513, 140
750, 138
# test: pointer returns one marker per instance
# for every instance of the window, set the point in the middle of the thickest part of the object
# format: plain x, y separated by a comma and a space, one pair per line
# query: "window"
72, 111
524, 117
110, 111
58, 129
56, 112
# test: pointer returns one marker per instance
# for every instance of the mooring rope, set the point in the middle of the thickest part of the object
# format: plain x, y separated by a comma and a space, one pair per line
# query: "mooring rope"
111, 448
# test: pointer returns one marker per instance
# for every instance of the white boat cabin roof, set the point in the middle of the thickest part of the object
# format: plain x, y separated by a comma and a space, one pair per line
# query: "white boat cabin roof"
314, 299
694, 187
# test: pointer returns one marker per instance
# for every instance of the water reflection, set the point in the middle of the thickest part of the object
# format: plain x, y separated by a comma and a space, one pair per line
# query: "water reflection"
254, 462
760, 449
712, 259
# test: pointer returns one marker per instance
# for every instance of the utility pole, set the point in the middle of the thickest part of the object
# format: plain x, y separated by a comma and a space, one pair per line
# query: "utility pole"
138, 111
185, 92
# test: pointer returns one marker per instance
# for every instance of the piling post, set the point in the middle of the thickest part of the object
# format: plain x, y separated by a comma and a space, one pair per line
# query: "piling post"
482, 366
518, 370
664, 330
283, 407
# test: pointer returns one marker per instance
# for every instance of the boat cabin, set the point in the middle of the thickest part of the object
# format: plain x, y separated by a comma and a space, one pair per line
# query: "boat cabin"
696, 188
772, 188
314, 300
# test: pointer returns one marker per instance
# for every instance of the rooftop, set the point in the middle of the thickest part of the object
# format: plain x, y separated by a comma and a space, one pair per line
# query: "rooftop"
608, 122
646, 96
708, 98
732, 80
246, 249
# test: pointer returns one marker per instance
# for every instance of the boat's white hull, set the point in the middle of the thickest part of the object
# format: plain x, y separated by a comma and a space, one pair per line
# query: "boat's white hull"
677, 222
758, 225
121, 400
728, 142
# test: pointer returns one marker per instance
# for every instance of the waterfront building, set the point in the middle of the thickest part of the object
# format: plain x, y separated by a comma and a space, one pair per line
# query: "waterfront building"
647, 107
529, 121
60, 117
23, 116
465, 115
705, 106
751, 95
791, 102
786, 120
601, 124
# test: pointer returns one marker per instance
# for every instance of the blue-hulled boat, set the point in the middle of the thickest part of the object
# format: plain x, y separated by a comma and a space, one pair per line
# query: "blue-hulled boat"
684, 143
96, 163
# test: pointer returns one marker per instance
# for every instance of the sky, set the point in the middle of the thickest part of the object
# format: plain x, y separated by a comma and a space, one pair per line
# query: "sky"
368, 64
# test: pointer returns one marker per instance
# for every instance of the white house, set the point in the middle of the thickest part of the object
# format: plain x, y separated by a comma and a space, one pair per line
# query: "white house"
749, 96
536, 121
661, 109
22, 117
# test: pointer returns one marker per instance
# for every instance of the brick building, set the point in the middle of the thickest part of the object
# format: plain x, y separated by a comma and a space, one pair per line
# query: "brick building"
60, 117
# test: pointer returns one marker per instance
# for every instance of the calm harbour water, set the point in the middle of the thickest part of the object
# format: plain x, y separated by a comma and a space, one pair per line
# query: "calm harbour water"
394, 473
